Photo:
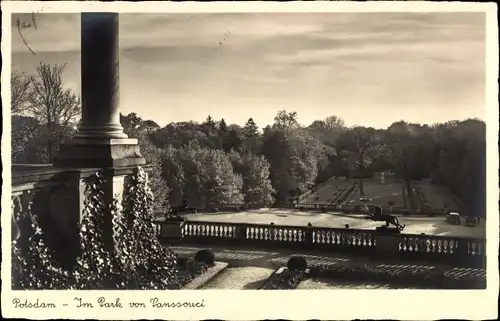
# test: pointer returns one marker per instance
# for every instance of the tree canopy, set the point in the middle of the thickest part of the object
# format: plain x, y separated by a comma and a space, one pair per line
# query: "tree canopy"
216, 162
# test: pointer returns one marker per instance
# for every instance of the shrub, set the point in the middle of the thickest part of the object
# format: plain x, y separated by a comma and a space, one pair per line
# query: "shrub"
296, 263
323, 209
287, 280
205, 256
188, 269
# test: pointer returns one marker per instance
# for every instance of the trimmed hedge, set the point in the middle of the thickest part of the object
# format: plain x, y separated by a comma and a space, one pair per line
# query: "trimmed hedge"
205, 256
188, 269
297, 263
286, 280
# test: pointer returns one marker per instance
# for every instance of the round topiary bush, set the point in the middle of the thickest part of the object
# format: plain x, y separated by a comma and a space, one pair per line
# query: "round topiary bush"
296, 263
205, 256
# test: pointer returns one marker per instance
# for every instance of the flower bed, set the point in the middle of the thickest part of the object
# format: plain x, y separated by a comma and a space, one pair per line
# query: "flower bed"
188, 269
283, 279
435, 277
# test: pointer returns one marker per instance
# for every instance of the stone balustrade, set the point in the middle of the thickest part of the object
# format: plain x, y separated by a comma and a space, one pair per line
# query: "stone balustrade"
49, 193
455, 250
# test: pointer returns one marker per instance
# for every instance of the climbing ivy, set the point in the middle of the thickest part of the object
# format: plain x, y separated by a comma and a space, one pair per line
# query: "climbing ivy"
119, 249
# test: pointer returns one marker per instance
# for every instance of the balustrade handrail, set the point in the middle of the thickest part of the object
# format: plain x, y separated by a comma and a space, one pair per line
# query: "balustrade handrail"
333, 229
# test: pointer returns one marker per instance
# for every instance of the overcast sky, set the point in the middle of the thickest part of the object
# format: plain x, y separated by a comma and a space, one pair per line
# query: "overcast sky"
367, 68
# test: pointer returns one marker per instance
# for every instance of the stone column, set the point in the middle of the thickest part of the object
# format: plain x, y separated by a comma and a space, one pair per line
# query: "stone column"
100, 76
100, 141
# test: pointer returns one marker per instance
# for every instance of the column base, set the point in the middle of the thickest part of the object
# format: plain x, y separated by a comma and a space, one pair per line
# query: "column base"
87, 152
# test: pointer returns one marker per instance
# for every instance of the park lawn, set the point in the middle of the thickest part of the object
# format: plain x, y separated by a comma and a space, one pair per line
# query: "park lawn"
436, 196
381, 194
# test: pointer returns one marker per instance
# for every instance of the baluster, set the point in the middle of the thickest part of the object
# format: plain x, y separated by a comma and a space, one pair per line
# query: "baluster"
411, 244
260, 233
402, 244
473, 247
434, 245
416, 244
480, 248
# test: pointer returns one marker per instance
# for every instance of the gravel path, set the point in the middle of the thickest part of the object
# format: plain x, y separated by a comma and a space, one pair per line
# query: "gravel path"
239, 278
330, 284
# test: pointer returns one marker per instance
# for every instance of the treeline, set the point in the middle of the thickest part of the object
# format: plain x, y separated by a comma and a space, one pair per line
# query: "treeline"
212, 162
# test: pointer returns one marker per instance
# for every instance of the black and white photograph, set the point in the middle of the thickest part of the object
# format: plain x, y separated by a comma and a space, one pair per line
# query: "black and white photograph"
246, 151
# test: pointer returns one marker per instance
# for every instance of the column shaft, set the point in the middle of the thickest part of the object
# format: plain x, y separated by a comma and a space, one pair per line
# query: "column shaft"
100, 76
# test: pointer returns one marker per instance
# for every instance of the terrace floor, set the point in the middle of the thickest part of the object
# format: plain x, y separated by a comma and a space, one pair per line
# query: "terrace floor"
249, 267
414, 224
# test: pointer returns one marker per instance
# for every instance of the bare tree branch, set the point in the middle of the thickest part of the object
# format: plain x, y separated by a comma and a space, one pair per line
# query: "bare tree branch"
20, 90
55, 107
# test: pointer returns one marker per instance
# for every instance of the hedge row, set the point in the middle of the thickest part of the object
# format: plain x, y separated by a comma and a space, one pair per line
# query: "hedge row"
189, 268
286, 280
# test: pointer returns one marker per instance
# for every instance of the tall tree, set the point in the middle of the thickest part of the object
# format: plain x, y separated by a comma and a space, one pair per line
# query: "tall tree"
136, 127
209, 126
53, 105
286, 120
222, 133
402, 146
359, 147
20, 90
257, 187
277, 149
28, 141
251, 136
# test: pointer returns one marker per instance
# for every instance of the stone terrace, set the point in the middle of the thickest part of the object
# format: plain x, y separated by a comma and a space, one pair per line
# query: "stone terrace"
414, 224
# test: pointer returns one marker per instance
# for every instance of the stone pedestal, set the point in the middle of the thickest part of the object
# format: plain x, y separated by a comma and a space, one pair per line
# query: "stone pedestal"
386, 243
171, 229
99, 153
100, 143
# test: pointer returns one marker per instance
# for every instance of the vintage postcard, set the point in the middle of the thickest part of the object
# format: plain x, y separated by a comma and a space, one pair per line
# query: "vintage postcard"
250, 160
